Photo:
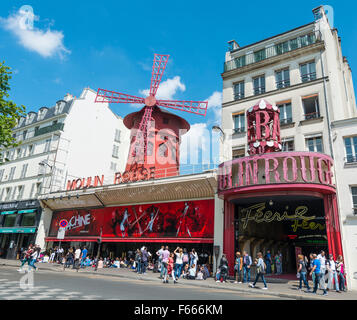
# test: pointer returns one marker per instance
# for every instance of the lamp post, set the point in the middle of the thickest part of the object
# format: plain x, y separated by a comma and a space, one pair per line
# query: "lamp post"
223, 143
99, 245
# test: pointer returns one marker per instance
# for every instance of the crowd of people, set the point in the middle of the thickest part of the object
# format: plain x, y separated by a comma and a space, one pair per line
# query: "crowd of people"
325, 272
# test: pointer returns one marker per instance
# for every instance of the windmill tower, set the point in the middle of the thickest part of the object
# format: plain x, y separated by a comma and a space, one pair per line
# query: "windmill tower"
155, 133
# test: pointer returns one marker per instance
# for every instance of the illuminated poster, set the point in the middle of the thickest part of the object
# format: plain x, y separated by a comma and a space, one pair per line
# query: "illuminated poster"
186, 219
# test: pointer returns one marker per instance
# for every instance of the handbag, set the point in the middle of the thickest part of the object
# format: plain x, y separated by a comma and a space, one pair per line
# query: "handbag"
298, 275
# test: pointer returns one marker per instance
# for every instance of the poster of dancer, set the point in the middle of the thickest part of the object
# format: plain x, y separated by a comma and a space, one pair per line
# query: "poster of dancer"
184, 219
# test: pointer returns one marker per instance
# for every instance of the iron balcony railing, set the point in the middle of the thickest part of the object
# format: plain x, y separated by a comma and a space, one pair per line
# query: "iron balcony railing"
351, 159
282, 84
54, 127
238, 96
312, 115
286, 121
239, 130
308, 77
278, 49
259, 90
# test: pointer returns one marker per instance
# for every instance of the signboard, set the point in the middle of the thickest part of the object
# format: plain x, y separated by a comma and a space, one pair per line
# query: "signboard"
184, 219
17, 230
61, 233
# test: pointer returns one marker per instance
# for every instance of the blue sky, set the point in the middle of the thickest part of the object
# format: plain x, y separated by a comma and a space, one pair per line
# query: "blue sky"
110, 44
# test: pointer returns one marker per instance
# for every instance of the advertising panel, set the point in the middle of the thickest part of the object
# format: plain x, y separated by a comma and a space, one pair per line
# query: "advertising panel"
186, 219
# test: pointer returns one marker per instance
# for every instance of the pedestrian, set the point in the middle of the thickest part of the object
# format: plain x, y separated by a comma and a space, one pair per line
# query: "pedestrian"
178, 262
278, 264
59, 255
238, 267
34, 256
52, 256
69, 258
193, 257
77, 255
83, 257
185, 271
165, 260
340, 268
319, 278
302, 271
159, 254
332, 273
322, 258
261, 269
170, 267
27, 256
223, 266
144, 260
138, 261
268, 262
185, 259
247, 262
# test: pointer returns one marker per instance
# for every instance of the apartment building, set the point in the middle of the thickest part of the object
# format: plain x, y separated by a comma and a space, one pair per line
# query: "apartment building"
73, 139
304, 73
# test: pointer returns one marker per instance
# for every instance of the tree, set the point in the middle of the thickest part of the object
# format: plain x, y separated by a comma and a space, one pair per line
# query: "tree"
10, 113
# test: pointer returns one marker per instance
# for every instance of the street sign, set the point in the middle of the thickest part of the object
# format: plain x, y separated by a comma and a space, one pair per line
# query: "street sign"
63, 223
61, 232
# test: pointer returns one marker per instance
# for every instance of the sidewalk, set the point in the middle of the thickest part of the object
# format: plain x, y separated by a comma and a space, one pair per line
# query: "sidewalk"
282, 290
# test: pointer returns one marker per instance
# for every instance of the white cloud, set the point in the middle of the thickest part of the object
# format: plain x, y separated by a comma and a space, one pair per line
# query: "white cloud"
167, 89
215, 104
47, 43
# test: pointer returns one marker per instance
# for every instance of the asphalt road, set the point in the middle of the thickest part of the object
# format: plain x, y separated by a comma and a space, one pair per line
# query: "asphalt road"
51, 285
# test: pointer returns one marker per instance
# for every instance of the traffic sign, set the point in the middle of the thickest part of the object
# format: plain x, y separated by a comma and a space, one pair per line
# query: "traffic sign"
63, 223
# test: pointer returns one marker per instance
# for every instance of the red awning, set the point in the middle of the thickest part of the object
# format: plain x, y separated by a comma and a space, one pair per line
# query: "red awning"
161, 240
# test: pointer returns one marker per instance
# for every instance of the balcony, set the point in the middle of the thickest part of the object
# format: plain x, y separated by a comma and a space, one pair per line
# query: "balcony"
276, 50
286, 121
351, 159
44, 130
238, 96
282, 84
312, 115
238, 130
308, 77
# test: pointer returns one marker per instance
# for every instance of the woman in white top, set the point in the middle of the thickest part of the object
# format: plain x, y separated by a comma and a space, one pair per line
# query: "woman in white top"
178, 263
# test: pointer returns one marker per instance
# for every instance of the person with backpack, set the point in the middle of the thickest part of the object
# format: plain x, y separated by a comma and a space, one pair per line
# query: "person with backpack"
223, 267
302, 271
247, 262
319, 277
261, 269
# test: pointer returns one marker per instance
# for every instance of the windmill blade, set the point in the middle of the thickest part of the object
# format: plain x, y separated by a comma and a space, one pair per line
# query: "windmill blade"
116, 97
196, 107
158, 68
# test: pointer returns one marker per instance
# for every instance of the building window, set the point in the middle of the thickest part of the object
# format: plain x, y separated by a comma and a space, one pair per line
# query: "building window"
285, 113
12, 173
117, 135
311, 107
10, 220
38, 188
24, 170
24, 134
18, 153
259, 85
8, 194
31, 149
238, 153
239, 122
288, 145
47, 145
20, 192
113, 166
259, 55
115, 151
308, 71
28, 219
351, 149
314, 144
1, 174
354, 199
239, 90
282, 79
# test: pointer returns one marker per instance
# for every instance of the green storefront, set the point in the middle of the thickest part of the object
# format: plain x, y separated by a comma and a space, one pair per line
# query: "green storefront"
18, 226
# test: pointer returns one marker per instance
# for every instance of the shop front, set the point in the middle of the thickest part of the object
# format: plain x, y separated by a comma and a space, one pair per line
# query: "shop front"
18, 226
284, 202
175, 211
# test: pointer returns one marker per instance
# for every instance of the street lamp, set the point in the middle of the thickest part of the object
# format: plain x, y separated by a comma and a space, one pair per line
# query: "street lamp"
218, 129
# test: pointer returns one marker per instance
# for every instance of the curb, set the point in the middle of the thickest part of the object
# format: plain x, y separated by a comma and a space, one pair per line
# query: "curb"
201, 285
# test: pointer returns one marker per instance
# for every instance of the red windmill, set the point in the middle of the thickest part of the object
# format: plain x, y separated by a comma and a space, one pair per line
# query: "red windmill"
155, 133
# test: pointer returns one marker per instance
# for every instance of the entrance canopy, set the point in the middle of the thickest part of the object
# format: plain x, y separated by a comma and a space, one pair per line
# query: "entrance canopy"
195, 186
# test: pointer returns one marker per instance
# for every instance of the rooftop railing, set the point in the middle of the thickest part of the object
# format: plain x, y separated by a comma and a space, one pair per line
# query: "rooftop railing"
275, 50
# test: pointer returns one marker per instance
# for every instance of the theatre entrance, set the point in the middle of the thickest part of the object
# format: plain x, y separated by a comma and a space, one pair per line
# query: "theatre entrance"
287, 224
